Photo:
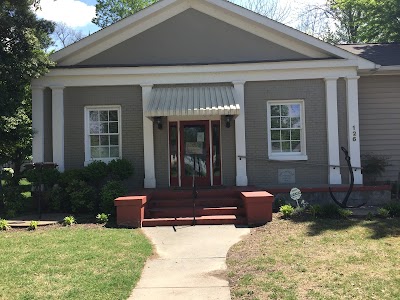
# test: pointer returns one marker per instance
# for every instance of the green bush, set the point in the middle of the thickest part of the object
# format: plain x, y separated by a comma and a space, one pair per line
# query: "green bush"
393, 208
69, 221
110, 191
96, 171
4, 225
72, 175
33, 225
315, 210
383, 213
333, 211
14, 202
287, 210
102, 218
48, 177
373, 166
120, 169
59, 200
82, 196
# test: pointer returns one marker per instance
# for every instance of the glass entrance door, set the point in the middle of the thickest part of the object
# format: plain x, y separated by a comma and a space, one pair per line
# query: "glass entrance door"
195, 153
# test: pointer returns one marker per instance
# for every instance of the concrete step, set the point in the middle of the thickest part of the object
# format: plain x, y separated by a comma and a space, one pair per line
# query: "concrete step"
203, 202
203, 220
187, 211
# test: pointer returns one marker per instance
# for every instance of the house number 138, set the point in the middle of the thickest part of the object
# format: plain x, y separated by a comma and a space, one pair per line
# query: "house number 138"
354, 134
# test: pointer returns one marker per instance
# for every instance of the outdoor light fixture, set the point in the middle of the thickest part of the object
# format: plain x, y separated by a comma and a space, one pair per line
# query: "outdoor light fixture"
159, 122
228, 119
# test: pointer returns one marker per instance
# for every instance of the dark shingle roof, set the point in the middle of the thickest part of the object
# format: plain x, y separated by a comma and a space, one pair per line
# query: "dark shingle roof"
382, 54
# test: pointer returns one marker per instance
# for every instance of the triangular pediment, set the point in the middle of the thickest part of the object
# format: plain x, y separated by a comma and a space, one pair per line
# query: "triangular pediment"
191, 32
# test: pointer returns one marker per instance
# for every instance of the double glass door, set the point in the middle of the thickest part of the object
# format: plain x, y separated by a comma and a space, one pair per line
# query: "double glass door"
195, 162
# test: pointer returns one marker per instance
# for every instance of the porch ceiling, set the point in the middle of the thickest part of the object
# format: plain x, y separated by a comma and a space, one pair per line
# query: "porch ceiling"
192, 101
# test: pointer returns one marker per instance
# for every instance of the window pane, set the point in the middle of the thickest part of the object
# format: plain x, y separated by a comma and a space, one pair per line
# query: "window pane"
104, 115
275, 110
275, 135
104, 152
93, 115
295, 123
114, 151
114, 140
94, 152
94, 127
285, 135
113, 115
296, 147
285, 146
113, 127
275, 123
276, 147
103, 127
104, 140
295, 110
285, 122
295, 134
94, 140
284, 110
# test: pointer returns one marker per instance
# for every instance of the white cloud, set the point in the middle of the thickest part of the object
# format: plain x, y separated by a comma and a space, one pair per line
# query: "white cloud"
72, 12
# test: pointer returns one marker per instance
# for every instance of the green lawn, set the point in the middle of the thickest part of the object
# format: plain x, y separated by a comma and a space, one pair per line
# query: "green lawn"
321, 259
78, 262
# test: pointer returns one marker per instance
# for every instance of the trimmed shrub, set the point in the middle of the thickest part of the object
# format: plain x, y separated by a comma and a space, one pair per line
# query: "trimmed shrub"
110, 191
4, 225
102, 218
59, 200
48, 177
383, 213
393, 208
82, 196
287, 210
96, 172
120, 169
69, 221
33, 225
72, 175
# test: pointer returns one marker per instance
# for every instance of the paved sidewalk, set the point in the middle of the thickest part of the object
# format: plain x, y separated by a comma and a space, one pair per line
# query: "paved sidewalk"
190, 263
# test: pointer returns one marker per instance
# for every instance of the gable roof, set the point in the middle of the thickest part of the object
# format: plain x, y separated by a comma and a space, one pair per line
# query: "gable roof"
382, 54
220, 9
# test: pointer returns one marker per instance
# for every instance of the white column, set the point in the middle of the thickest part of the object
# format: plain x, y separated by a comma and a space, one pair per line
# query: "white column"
332, 130
240, 136
58, 125
353, 126
148, 141
38, 123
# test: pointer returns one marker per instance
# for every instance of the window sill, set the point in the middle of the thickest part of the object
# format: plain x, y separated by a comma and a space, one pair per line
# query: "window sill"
288, 157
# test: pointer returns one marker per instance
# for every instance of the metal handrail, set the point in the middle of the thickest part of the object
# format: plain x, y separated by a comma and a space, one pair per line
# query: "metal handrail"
297, 162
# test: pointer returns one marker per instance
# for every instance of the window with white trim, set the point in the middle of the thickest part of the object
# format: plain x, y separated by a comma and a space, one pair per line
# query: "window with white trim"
286, 130
103, 133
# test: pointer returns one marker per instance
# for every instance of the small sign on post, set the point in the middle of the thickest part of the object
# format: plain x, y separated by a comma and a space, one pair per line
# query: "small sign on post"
295, 194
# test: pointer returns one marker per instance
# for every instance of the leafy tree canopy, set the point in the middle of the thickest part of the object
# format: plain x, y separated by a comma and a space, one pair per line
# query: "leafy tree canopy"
23, 40
355, 21
110, 11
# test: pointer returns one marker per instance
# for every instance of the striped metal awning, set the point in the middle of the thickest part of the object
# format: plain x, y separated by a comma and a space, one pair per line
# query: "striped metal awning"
192, 101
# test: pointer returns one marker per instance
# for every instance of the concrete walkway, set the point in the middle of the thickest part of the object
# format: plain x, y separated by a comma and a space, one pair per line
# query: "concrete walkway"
190, 263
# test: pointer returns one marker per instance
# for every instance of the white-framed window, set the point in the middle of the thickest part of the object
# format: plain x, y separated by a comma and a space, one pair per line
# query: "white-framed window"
102, 133
286, 130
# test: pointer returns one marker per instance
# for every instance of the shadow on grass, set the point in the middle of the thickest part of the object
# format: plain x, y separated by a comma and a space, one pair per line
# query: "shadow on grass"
379, 228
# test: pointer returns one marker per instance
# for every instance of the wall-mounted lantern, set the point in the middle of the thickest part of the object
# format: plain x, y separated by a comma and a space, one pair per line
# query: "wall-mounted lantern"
158, 120
228, 119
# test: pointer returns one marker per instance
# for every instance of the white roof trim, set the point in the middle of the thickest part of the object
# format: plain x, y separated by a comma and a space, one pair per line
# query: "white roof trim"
220, 9
192, 101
